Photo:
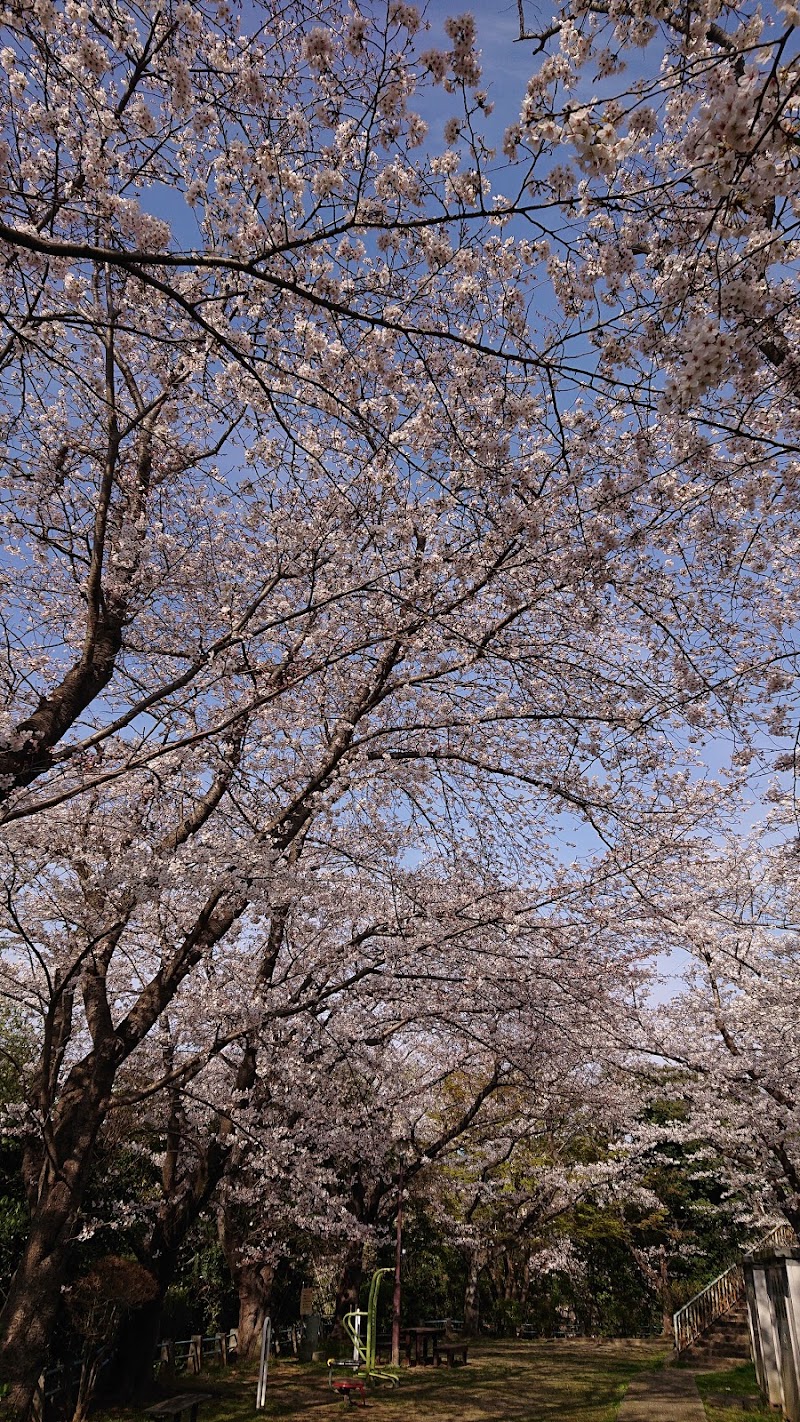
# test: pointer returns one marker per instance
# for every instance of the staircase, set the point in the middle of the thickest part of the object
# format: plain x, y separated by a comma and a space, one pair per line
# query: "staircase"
724, 1344
714, 1315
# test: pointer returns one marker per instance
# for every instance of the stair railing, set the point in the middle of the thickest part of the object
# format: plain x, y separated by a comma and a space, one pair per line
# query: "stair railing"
689, 1322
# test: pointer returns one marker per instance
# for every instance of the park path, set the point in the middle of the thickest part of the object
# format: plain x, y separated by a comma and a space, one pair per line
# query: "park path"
663, 1396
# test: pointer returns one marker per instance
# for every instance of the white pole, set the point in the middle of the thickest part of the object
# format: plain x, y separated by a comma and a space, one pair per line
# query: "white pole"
266, 1340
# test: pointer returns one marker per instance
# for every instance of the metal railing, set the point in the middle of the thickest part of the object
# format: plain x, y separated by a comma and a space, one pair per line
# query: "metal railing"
689, 1322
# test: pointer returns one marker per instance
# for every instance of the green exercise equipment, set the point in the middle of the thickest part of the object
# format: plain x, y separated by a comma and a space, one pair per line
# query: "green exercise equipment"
364, 1349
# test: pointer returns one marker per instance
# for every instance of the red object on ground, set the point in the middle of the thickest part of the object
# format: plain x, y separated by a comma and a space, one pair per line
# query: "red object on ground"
347, 1386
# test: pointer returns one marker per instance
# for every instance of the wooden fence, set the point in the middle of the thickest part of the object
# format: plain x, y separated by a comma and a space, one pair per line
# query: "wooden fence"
57, 1392
191, 1355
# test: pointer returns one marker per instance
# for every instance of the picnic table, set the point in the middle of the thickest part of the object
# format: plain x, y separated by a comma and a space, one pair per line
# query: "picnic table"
418, 1339
174, 1407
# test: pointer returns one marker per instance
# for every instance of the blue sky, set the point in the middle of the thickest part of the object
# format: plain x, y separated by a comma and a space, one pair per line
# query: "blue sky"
507, 64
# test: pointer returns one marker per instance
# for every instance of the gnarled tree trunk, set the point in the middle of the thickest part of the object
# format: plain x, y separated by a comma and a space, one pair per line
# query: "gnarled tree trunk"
31, 1309
253, 1279
254, 1285
476, 1261
188, 1185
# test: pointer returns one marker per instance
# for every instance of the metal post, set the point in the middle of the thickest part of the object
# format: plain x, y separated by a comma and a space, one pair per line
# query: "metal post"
266, 1342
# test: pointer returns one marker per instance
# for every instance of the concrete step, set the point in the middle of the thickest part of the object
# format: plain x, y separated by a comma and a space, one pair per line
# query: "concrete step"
717, 1350
713, 1348
714, 1362
725, 1343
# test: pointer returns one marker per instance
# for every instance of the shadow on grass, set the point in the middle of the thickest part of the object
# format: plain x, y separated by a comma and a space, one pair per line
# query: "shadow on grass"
563, 1381
739, 1382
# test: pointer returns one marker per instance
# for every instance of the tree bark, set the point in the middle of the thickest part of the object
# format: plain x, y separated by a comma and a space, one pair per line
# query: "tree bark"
348, 1290
397, 1296
475, 1264
189, 1194
254, 1285
31, 1310
659, 1281
187, 1185
58, 711
56, 1173
253, 1279
666, 1295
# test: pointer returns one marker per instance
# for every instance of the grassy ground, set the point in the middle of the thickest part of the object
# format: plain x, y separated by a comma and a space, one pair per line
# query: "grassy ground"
740, 1382
563, 1381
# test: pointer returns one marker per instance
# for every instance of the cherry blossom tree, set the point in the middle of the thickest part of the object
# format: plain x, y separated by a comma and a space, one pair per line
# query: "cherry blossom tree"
689, 173
338, 1084
670, 136
676, 253
730, 1031
172, 598
312, 574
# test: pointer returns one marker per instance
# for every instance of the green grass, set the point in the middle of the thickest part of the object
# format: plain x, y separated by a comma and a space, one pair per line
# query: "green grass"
580, 1380
741, 1382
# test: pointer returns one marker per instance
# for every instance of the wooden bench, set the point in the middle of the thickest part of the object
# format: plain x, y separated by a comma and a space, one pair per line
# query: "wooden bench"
452, 1351
347, 1386
174, 1407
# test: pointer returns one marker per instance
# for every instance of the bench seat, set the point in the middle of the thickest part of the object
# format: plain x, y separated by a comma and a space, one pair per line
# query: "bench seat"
454, 1352
182, 1402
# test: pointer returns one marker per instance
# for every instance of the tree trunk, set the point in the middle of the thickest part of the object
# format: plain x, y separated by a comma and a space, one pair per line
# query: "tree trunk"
55, 1183
56, 1169
659, 1281
187, 1186
254, 1284
31, 1309
666, 1295
176, 1216
253, 1279
792, 1215
349, 1288
397, 1295
475, 1263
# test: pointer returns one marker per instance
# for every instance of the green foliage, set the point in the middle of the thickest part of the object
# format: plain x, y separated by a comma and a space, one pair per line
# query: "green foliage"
16, 1051
697, 1220
614, 1299
201, 1299
433, 1273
